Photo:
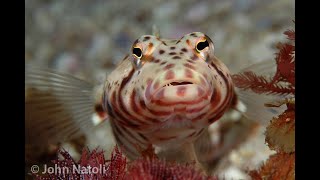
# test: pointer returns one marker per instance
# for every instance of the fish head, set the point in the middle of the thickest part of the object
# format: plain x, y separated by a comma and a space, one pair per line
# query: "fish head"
174, 80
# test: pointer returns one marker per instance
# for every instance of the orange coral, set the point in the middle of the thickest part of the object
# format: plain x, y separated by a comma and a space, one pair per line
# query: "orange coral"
280, 134
278, 166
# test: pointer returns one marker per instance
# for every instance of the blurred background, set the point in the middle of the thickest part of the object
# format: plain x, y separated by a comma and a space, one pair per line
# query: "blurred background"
87, 38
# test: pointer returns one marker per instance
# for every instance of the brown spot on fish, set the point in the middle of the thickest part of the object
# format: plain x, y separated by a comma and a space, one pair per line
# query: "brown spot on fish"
184, 50
172, 53
194, 57
193, 35
172, 47
169, 75
163, 63
188, 73
188, 42
161, 51
146, 38
100, 111
169, 66
189, 66
150, 45
181, 90
147, 58
176, 57
190, 61
164, 43
157, 61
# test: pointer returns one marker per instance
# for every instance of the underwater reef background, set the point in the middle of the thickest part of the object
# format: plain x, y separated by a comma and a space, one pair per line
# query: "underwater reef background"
88, 38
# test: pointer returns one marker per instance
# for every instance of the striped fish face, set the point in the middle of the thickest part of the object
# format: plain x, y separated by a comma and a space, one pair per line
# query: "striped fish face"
169, 89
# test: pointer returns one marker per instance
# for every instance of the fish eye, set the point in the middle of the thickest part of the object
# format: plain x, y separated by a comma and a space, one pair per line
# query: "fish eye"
136, 51
202, 45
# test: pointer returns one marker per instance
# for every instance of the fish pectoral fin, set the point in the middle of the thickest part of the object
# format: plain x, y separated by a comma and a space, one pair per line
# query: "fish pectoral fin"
58, 107
253, 105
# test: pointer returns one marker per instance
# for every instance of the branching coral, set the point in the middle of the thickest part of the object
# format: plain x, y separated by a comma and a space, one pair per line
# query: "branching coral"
147, 168
92, 165
280, 134
283, 82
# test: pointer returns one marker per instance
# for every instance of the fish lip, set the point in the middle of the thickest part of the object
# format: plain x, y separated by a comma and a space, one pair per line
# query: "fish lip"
180, 82
201, 92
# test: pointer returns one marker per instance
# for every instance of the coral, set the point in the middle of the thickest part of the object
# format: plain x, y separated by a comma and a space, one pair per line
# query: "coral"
278, 166
155, 169
280, 133
260, 84
147, 168
117, 165
92, 165
283, 82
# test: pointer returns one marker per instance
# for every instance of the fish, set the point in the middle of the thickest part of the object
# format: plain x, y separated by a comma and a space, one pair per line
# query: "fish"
164, 93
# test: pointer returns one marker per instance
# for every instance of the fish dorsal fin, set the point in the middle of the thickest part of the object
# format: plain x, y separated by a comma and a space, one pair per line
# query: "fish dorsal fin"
155, 31
253, 105
58, 107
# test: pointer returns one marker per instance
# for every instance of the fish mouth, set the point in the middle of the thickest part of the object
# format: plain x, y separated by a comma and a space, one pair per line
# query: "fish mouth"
183, 92
177, 83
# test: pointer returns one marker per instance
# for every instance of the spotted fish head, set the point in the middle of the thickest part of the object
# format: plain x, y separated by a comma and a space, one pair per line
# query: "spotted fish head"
172, 81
